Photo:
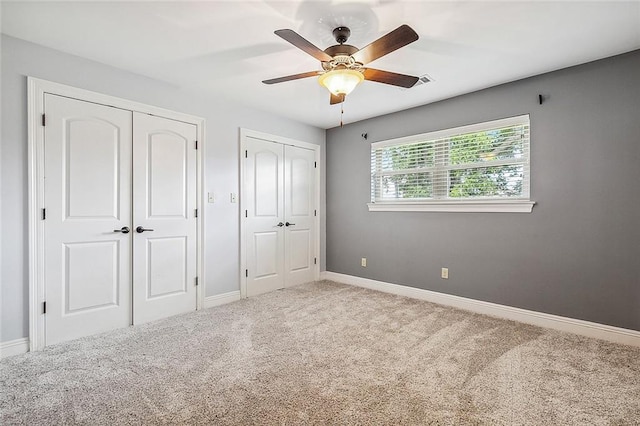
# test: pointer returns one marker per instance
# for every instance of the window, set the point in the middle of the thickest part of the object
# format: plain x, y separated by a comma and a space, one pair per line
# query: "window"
482, 167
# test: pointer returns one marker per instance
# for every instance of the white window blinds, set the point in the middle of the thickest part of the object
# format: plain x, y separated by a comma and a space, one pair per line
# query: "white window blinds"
485, 161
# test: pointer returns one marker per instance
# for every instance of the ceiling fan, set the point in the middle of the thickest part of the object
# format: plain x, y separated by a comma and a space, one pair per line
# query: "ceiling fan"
343, 65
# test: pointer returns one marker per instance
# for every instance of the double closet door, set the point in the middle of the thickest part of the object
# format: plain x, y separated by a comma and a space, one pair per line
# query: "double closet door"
279, 195
120, 224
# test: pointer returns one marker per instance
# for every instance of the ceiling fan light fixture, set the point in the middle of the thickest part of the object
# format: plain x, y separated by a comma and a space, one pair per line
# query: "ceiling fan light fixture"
341, 81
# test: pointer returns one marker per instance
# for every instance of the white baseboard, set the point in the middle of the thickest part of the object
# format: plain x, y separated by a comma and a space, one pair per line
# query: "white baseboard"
14, 347
571, 325
221, 299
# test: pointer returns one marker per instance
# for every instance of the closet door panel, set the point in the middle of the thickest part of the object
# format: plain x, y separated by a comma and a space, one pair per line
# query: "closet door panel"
164, 231
264, 216
87, 266
300, 194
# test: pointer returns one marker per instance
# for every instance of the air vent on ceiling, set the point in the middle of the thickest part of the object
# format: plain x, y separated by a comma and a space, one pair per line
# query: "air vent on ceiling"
424, 78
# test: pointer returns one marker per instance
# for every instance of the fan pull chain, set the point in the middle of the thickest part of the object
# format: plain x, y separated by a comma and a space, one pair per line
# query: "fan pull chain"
341, 110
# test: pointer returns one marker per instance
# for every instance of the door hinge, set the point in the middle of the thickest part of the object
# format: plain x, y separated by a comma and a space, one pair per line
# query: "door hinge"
315, 260
44, 214
196, 281
315, 213
196, 212
246, 272
315, 164
246, 213
196, 144
246, 153
44, 307
44, 120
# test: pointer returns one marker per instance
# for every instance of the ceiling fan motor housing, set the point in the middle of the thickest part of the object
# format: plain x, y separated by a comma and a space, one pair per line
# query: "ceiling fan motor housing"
341, 53
340, 49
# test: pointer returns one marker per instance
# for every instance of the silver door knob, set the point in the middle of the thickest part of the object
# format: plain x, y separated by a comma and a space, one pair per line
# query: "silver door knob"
124, 230
140, 229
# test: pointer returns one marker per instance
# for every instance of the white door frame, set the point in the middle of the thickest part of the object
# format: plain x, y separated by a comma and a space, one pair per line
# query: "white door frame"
36, 92
247, 133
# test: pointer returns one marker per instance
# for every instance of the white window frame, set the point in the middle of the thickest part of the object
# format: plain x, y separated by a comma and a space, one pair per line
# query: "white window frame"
492, 205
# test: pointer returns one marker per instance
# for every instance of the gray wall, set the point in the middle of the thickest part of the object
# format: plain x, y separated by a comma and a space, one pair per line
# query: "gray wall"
577, 254
223, 120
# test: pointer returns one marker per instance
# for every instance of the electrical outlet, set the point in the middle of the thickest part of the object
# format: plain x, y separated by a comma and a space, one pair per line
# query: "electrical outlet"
445, 273
234, 197
363, 262
210, 197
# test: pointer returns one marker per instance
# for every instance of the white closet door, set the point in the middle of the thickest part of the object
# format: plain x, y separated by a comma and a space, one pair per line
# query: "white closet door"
279, 196
164, 229
299, 207
264, 201
88, 202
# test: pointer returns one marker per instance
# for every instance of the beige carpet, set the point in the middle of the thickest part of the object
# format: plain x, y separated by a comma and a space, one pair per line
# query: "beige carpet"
325, 353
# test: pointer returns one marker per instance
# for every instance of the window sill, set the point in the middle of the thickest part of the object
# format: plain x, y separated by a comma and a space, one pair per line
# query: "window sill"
493, 206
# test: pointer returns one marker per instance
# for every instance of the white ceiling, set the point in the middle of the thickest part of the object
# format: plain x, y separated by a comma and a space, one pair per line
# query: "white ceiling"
228, 47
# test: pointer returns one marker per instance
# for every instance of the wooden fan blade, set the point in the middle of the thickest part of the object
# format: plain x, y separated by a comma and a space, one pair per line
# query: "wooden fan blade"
336, 99
388, 77
292, 77
301, 43
396, 39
